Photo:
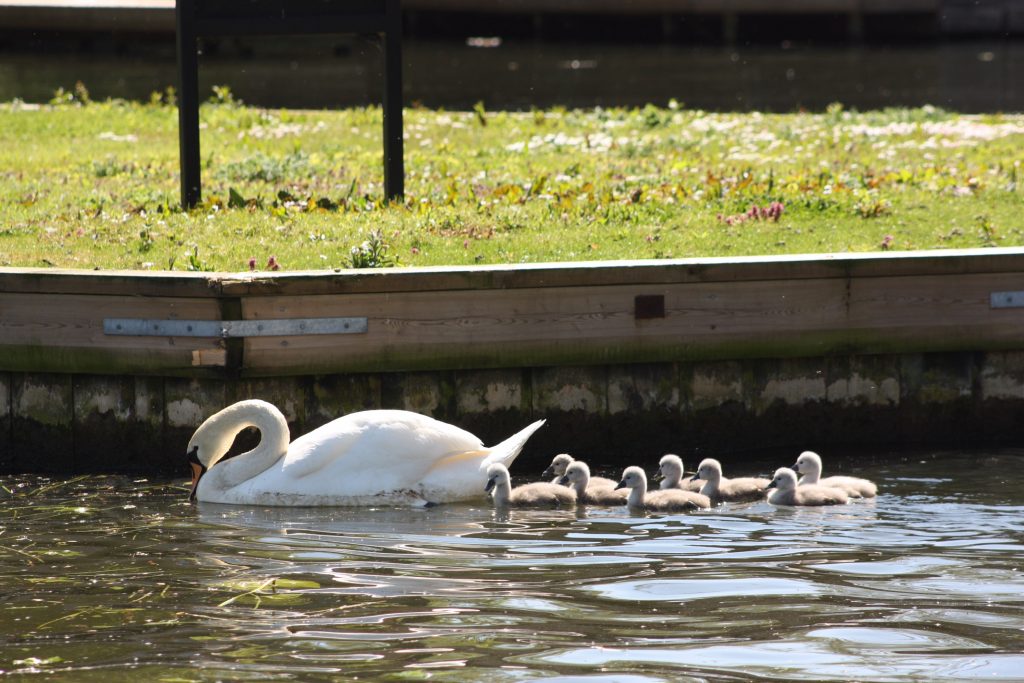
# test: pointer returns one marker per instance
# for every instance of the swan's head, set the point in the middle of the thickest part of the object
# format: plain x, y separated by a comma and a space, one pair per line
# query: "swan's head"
784, 480
709, 470
809, 462
214, 437
497, 474
577, 473
670, 466
206, 447
632, 477
558, 465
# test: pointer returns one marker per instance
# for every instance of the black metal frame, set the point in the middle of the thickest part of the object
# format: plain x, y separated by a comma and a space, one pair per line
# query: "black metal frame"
199, 18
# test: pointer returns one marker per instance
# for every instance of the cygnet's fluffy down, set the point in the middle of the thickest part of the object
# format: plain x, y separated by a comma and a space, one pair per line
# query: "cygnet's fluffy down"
666, 500
560, 463
670, 467
577, 477
784, 491
722, 490
538, 494
809, 465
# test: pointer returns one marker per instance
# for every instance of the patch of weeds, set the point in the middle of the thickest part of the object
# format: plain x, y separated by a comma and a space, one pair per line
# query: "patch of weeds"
869, 205
76, 97
261, 167
223, 96
654, 117
372, 253
988, 230
481, 113
772, 212
108, 168
193, 264
146, 240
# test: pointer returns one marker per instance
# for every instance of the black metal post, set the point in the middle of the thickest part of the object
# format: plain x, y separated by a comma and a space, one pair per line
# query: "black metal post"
394, 166
188, 103
284, 17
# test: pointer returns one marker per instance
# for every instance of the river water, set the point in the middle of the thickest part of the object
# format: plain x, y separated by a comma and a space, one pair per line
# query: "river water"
113, 579
316, 72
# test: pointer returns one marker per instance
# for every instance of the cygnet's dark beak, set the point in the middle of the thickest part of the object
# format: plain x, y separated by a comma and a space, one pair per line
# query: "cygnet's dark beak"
622, 485
489, 486
770, 485
695, 477
198, 470
548, 473
564, 481
796, 468
658, 476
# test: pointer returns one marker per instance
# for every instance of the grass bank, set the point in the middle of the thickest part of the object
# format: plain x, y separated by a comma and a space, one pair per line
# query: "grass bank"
95, 185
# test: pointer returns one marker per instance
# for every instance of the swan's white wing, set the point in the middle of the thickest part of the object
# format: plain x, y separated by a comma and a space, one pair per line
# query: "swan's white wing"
371, 451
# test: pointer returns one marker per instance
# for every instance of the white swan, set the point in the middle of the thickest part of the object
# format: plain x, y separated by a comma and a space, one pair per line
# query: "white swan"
577, 477
366, 458
560, 463
786, 491
665, 500
537, 494
719, 489
809, 465
670, 467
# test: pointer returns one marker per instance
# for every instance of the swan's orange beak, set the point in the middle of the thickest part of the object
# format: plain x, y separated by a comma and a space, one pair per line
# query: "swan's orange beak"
198, 470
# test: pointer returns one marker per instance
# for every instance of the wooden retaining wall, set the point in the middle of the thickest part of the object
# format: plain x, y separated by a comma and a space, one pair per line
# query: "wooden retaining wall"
692, 356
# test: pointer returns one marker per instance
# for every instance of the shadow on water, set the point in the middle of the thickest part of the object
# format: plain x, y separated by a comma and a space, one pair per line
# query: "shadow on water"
325, 73
113, 579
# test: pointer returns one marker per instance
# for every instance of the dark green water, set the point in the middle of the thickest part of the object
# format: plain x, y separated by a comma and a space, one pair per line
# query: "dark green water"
312, 72
110, 579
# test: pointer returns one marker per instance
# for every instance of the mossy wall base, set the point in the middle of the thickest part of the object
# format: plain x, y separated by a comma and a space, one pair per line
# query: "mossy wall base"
611, 415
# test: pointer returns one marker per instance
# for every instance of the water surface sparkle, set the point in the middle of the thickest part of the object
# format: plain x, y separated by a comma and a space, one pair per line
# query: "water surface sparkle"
112, 579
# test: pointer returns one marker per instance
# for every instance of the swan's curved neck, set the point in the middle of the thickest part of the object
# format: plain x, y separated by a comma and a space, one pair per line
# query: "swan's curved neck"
502, 491
637, 494
581, 486
671, 479
225, 426
812, 475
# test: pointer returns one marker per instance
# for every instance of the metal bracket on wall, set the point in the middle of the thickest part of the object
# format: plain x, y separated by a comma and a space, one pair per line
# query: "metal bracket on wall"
1006, 300
141, 327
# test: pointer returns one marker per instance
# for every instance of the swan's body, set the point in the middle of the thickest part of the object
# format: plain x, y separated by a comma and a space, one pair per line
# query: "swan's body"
809, 465
560, 463
665, 500
670, 467
373, 457
721, 490
786, 491
537, 494
577, 477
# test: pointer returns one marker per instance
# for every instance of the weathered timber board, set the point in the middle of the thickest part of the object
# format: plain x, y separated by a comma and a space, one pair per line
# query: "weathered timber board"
582, 325
64, 333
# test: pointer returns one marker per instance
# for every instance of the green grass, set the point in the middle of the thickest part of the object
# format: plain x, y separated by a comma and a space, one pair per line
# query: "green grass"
95, 185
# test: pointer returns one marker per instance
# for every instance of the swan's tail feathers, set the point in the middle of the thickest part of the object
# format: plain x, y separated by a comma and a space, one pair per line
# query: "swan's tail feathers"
506, 451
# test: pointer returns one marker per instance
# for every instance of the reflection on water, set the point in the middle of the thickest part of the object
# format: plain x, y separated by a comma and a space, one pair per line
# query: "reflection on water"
113, 579
318, 73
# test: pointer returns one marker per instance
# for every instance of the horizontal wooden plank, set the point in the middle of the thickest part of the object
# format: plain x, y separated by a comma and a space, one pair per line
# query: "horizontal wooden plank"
494, 328
112, 282
598, 273
692, 310
525, 276
64, 333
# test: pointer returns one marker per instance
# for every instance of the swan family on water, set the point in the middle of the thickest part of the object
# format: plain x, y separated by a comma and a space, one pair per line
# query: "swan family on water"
397, 457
